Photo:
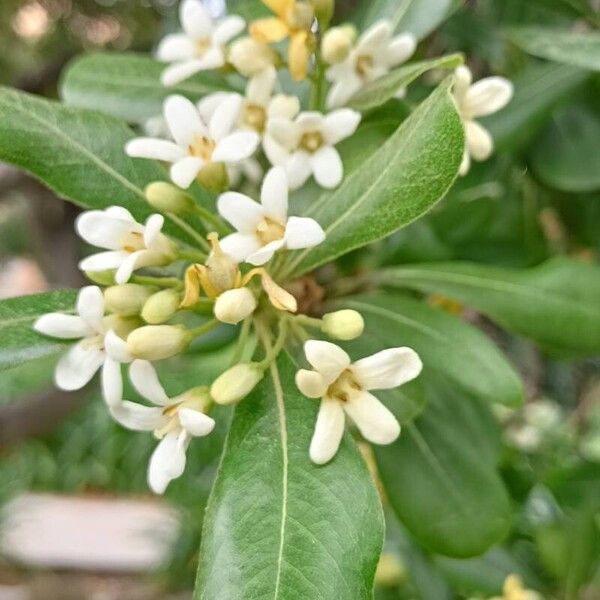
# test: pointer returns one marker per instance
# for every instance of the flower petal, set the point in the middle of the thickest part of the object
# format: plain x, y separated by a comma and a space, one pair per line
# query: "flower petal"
180, 71
376, 36
479, 141
116, 347
59, 325
340, 124
209, 104
152, 229
400, 49
184, 171
90, 306
274, 151
195, 19
326, 358
269, 30
265, 253
104, 230
154, 149
239, 246
327, 167
303, 232
240, 211
145, 380
374, 421
183, 120
311, 383
112, 382
284, 107
225, 117
274, 194
175, 47
103, 261
138, 417
329, 431
128, 266
387, 369
260, 87
167, 461
310, 120
236, 147
195, 422
77, 367
299, 54
298, 168
227, 29
342, 90
488, 96
285, 132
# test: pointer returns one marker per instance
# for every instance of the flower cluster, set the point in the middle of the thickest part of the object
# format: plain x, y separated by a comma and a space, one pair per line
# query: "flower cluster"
228, 267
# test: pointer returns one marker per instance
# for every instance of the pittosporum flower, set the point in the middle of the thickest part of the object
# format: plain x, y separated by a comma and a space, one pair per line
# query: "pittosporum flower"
174, 421
250, 57
264, 228
196, 145
129, 244
374, 54
201, 45
480, 99
305, 146
344, 387
98, 345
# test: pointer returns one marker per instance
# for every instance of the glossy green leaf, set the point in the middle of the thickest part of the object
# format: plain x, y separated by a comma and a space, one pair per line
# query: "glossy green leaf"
555, 304
447, 346
17, 315
566, 47
440, 476
276, 525
381, 90
398, 183
128, 85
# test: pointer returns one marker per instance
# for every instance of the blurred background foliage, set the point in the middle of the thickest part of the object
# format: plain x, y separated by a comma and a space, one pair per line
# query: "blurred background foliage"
537, 198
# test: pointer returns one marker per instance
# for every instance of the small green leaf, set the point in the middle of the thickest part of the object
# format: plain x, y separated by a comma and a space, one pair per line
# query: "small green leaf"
566, 47
276, 525
381, 90
398, 183
20, 343
128, 85
555, 304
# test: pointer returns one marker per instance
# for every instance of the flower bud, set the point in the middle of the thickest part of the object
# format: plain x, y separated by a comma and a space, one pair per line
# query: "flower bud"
156, 342
323, 11
102, 277
223, 272
235, 305
127, 299
236, 383
337, 43
343, 324
121, 325
213, 177
160, 307
250, 57
165, 197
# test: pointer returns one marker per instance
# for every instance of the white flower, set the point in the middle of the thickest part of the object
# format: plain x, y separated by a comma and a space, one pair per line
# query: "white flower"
201, 45
250, 57
197, 145
343, 388
483, 98
174, 421
305, 146
374, 54
264, 228
129, 244
98, 345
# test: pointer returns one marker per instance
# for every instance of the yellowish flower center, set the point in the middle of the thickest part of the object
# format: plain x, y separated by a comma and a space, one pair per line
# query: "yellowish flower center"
202, 147
255, 116
202, 46
312, 141
364, 65
133, 241
269, 230
95, 342
172, 413
344, 387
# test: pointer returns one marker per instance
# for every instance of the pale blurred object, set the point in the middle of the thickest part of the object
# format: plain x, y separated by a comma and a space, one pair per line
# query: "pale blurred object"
19, 277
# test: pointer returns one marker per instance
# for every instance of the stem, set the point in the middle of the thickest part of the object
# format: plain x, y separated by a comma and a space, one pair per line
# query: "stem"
242, 341
308, 321
190, 231
193, 255
206, 215
170, 282
273, 351
316, 95
208, 326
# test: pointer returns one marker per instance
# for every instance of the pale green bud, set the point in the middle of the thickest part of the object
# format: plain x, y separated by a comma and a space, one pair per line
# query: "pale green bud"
251, 57
166, 197
235, 305
323, 11
236, 383
337, 43
213, 177
156, 342
160, 307
127, 299
102, 277
343, 324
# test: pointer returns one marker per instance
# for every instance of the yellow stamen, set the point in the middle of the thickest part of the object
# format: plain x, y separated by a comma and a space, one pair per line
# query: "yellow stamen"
364, 65
133, 241
202, 147
269, 230
343, 387
312, 141
255, 117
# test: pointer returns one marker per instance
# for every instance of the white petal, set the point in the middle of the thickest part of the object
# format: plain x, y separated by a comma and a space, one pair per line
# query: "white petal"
184, 171
195, 423
400, 49
329, 431
239, 246
465, 165
479, 141
343, 90
129, 265
116, 347
252, 170
167, 461
374, 421
209, 104
326, 358
327, 167
298, 168
103, 261
145, 380
240, 211
176, 46
90, 306
227, 29
152, 230
303, 232
388, 368
340, 124
236, 147
488, 96
62, 326
285, 132
265, 253
77, 367
225, 116
180, 71
274, 151
154, 149
311, 383
284, 107
119, 212
310, 121
183, 120
138, 417
104, 230
112, 382
274, 194
260, 87
377, 35
195, 19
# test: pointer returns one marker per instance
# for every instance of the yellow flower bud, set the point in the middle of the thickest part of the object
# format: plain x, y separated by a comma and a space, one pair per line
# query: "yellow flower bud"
127, 299
250, 57
235, 305
213, 177
343, 324
236, 383
223, 272
337, 43
166, 197
156, 342
160, 307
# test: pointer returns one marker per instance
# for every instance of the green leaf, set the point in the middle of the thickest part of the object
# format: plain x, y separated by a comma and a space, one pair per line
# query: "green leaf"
566, 47
447, 346
440, 476
397, 184
128, 85
555, 304
565, 156
381, 90
276, 525
17, 315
